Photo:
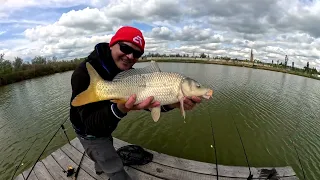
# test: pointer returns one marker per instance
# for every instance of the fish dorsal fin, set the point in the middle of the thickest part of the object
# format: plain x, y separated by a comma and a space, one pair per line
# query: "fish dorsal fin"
153, 67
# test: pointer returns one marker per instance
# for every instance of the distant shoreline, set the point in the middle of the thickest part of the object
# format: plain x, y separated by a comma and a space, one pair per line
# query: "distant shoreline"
70, 66
276, 68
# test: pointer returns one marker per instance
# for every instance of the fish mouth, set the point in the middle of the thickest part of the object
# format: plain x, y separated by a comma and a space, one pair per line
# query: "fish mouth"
208, 94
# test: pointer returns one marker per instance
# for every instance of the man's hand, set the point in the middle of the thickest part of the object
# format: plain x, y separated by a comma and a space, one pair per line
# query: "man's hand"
188, 103
129, 105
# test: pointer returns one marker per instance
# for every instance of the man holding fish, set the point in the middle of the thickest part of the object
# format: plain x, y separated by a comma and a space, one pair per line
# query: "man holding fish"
105, 88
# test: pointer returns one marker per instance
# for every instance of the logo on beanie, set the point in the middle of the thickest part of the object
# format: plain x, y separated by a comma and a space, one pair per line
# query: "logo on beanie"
138, 39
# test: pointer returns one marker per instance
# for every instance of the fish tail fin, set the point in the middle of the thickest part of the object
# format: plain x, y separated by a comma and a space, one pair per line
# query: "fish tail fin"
93, 74
89, 95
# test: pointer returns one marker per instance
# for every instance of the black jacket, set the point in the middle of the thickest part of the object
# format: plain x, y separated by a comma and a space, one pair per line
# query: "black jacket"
99, 119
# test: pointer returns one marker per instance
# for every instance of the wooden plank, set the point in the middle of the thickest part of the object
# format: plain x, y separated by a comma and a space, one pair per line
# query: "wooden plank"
83, 175
289, 178
207, 168
19, 177
281, 171
77, 144
64, 161
53, 167
167, 172
41, 172
168, 177
137, 175
32, 175
175, 162
87, 164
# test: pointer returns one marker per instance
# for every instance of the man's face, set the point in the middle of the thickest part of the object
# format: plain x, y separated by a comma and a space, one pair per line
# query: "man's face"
124, 56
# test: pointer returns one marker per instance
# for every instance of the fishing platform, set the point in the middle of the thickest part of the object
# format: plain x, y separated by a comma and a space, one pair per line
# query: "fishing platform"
162, 167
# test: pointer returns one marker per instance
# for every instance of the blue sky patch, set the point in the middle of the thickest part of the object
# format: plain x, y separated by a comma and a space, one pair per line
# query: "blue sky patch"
12, 30
49, 15
25, 18
142, 26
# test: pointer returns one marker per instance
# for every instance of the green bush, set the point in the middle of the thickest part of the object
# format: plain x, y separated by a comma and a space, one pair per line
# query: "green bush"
11, 72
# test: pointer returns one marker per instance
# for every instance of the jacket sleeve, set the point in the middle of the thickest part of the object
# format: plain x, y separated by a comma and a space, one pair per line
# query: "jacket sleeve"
99, 116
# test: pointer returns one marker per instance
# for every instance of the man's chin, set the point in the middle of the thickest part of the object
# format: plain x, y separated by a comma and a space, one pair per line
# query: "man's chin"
124, 65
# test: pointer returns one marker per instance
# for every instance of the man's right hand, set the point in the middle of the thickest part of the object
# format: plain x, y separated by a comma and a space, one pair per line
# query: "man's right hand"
129, 105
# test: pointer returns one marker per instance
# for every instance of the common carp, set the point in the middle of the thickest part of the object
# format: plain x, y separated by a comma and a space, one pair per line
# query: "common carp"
165, 87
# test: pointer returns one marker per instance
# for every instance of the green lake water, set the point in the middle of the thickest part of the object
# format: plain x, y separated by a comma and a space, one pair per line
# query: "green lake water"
269, 108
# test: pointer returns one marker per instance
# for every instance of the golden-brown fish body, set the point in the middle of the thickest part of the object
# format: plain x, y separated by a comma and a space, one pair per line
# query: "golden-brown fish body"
165, 87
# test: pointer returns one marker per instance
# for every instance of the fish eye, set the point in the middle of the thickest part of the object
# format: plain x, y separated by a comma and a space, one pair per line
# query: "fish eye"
198, 85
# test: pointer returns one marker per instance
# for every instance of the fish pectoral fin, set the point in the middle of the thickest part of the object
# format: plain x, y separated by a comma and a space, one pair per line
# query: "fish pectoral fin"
155, 113
183, 112
119, 101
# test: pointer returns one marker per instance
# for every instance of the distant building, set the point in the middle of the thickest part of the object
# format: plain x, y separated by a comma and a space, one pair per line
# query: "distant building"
286, 59
251, 56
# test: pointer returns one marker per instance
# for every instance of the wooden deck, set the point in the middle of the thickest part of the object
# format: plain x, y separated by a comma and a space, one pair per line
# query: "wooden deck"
162, 167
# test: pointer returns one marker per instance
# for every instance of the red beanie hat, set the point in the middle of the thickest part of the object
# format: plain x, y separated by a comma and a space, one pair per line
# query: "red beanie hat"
130, 34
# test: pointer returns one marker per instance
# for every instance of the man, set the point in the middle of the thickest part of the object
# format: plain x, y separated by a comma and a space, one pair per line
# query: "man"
95, 122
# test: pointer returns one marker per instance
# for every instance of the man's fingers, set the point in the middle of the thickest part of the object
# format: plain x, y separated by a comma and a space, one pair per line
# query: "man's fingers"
155, 104
196, 99
132, 99
187, 107
144, 104
188, 102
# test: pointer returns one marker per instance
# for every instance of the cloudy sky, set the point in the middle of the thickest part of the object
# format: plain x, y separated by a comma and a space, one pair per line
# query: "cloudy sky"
70, 28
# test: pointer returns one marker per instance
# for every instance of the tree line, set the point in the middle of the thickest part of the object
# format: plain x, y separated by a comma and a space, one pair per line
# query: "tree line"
18, 70
284, 65
204, 55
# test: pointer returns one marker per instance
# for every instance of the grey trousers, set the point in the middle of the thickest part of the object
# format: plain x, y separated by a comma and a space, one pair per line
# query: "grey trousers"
106, 159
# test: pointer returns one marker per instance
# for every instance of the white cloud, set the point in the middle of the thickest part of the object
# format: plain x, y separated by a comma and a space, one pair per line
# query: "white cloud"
147, 10
74, 24
16, 4
272, 28
162, 32
21, 48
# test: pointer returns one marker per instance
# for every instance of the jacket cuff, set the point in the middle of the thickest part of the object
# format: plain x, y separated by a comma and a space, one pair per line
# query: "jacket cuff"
116, 112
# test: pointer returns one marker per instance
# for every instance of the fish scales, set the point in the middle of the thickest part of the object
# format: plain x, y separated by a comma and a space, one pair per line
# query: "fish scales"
164, 86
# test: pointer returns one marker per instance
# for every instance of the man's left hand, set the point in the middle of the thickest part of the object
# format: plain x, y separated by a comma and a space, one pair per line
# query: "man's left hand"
188, 103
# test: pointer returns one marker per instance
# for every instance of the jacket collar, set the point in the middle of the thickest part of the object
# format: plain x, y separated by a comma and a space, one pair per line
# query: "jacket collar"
103, 62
